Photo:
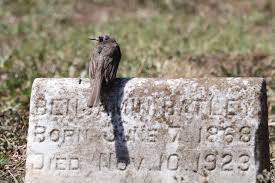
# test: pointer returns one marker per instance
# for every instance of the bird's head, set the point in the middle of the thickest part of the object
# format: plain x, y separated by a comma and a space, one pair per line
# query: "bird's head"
101, 38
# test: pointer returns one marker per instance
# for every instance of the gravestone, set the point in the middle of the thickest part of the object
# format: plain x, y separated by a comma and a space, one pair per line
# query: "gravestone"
148, 130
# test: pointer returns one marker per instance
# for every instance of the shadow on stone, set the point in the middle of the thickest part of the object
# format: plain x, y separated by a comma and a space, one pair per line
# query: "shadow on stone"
261, 150
111, 100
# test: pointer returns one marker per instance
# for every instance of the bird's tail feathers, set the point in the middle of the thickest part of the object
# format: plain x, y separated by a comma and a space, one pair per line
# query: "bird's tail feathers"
94, 98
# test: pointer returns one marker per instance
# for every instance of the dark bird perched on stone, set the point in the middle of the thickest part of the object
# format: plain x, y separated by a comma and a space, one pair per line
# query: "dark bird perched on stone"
103, 66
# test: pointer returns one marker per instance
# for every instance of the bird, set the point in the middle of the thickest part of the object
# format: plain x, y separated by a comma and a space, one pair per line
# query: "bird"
103, 66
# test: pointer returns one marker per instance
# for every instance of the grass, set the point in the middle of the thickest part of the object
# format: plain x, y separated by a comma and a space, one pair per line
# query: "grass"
166, 39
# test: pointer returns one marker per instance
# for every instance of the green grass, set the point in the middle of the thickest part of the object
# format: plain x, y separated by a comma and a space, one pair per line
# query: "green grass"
42, 39
144, 44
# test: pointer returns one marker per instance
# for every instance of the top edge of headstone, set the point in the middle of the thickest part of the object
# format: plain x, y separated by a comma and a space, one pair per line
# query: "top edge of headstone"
255, 79
220, 82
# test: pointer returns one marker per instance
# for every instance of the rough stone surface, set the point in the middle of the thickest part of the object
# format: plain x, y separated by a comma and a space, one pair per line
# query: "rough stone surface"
148, 130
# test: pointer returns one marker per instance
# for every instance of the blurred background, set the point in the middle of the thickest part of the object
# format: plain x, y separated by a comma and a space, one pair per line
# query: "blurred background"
158, 38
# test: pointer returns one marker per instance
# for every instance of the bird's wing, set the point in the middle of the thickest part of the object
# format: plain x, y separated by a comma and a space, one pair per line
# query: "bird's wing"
96, 59
111, 58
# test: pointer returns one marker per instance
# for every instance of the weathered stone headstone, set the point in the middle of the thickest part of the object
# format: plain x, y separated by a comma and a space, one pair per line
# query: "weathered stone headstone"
148, 130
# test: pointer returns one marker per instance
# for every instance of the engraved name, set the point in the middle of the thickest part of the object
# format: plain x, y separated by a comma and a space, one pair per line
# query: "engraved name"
148, 108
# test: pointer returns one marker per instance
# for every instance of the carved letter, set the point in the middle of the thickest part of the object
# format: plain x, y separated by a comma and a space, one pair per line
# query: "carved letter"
39, 132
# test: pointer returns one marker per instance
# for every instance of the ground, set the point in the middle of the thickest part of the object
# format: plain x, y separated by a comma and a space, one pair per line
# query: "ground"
165, 38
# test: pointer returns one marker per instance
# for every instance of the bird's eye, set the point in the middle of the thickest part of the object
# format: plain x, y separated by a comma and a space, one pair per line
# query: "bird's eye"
100, 38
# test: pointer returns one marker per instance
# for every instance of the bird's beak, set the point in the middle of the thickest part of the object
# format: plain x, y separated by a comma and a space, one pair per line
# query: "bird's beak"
93, 39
